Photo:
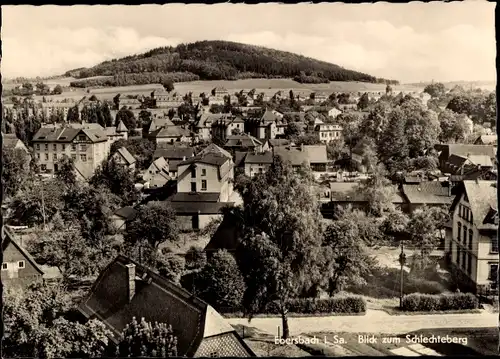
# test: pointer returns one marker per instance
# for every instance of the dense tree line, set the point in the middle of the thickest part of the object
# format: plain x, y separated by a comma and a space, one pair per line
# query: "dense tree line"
219, 60
130, 79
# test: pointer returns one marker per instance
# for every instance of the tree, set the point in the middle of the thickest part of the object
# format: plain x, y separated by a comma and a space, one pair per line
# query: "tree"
435, 90
379, 193
73, 115
168, 85
282, 225
453, 128
220, 282
376, 121
107, 118
196, 258
344, 257
393, 144
35, 325
57, 90
141, 148
118, 179
395, 225
422, 128
293, 130
15, 169
461, 104
144, 118
154, 224
128, 118
116, 101
369, 155
364, 101
66, 171
308, 139
144, 339
37, 203
424, 229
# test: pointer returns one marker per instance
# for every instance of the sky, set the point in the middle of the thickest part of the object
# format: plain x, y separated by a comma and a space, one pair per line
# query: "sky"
409, 42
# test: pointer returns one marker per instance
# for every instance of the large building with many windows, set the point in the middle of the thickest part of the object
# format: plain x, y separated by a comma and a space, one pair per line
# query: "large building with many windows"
471, 242
86, 144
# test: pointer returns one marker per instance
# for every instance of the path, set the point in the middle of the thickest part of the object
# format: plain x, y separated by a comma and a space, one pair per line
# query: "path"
375, 321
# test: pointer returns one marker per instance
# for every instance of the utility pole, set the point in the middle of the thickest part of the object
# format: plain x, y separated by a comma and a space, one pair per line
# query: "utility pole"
402, 261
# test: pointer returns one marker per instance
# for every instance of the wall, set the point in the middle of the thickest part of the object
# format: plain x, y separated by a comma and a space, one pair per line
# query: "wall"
11, 255
212, 177
251, 169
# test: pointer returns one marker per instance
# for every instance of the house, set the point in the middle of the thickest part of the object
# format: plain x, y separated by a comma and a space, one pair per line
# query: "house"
10, 141
257, 162
117, 133
203, 126
225, 127
262, 127
317, 155
85, 143
327, 133
427, 193
486, 140
204, 187
348, 106
157, 174
464, 151
124, 158
158, 123
56, 108
19, 269
350, 194
328, 111
130, 102
165, 99
319, 97
125, 289
122, 216
459, 165
220, 92
171, 134
275, 142
173, 155
471, 244
296, 157
243, 142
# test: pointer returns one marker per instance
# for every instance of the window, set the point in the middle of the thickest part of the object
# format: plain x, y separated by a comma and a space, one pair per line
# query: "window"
54, 156
493, 271
73, 157
203, 171
73, 147
260, 170
471, 234
83, 148
46, 157
54, 147
83, 158
465, 235
46, 147
43, 168
193, 172
459, 232
494, 244
213, 355
38, 156
20, 264
38, 146
5, 266
193, 186
63, 147
203, 185
82, 138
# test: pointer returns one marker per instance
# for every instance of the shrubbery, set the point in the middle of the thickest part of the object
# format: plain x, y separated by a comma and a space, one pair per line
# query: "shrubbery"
428, 303
351, 304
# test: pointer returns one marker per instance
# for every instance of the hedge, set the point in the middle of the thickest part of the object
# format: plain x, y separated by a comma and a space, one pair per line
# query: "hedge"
428, 303
351, 304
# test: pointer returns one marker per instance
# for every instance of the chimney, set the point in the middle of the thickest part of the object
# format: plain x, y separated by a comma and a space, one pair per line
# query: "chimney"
131, 281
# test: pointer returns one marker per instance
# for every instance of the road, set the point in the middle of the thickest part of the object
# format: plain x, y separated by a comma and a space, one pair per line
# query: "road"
375, 321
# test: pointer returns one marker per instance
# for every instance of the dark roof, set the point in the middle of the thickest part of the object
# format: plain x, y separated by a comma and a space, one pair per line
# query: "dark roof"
170, 131
263, 157
68, 134
213, 148
127, 156
239, 158
428, 192
482, 196
195, 197
127, 212
199, 207
9, 238
210, 158
173, 164
316, 153
296, 157
244, 140
155, 299
83, 169
173, 152
276, 142
464, 150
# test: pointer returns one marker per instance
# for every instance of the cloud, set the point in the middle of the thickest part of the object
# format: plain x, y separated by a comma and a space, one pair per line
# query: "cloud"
57, 50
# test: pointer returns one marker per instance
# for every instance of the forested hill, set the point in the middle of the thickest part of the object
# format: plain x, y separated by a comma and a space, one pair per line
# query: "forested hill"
220, 60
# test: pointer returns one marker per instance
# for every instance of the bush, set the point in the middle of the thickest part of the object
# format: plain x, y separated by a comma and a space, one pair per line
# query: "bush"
346, 305
428, 303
